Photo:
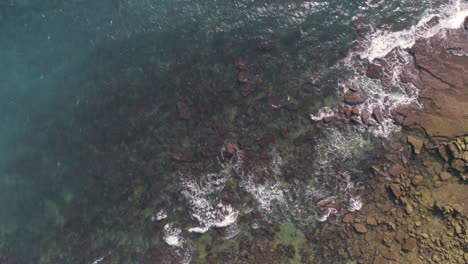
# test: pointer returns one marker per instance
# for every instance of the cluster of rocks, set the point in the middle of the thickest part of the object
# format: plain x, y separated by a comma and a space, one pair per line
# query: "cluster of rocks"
455, 154
407, 218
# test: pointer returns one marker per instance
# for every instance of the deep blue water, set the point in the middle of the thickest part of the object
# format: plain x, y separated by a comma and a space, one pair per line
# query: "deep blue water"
88, 95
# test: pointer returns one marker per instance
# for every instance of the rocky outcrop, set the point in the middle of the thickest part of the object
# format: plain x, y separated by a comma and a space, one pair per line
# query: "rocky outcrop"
440, 72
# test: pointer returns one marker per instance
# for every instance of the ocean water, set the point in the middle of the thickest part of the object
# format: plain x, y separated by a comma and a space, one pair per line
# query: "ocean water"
99, 163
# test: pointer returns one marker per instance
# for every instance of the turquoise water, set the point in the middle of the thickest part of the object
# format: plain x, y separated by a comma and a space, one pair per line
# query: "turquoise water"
89, 121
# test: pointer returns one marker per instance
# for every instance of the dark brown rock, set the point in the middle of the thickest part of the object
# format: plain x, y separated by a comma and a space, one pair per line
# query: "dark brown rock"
356, 120
396, 170
377, 114
374, 72
465, 25
353, 98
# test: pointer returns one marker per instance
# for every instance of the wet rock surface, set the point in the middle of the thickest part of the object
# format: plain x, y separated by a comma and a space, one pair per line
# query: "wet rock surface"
441, 76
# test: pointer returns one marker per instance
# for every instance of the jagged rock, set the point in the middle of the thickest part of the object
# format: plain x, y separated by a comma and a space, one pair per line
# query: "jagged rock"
465, 25
360, 228
395, 188
410, 244
445, 176
416, 142
377, 115
353, 98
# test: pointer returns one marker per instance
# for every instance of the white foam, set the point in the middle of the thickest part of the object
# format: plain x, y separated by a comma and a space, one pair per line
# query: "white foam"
322, 113
270, 194
204, 198
172, 236
160, 215
327, 214
381, 42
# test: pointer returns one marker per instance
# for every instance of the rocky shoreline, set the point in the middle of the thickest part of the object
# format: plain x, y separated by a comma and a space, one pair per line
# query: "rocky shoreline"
416, 206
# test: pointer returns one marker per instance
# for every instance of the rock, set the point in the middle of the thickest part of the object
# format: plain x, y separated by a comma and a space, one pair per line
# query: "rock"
443, 152
409, 209
418, 179
377, 115
183, 155
374, 72
459, 165
445, 176
356, 120
416, 142
353, 98
437, 184
265, 45
275, 101
242, 76
395, 188
328, 119
355, 111
347, 112
390, 255
371, 122
183, 109
465, 156
396, 170
454, 150
265, 139
360, 228
365, 116
371, 220
348, 218
229, 148
465, 25
410, 244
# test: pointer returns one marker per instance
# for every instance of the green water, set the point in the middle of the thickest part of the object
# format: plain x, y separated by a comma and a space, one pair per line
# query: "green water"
88, 116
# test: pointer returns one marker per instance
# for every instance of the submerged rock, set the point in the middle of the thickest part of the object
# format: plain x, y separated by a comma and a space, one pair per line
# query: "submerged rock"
354, 98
